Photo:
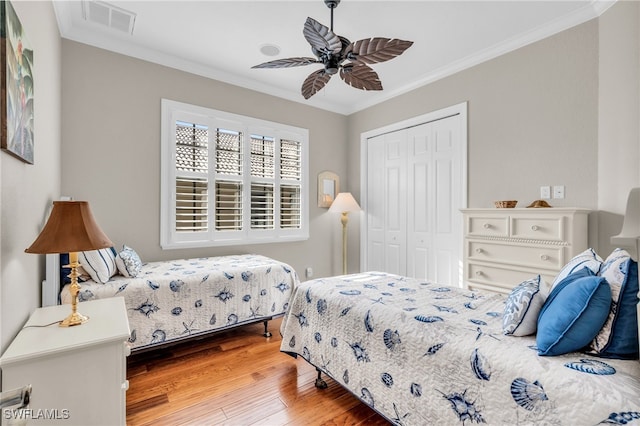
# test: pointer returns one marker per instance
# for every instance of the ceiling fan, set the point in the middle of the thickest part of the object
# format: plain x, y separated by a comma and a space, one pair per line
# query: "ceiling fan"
337, 53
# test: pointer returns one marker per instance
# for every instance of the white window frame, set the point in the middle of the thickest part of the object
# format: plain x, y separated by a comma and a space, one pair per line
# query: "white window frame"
173, 111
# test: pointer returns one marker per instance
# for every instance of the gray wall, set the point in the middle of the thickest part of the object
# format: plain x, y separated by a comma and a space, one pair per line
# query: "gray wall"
619, 116
562, 111
26, 191
111, 150
532, 117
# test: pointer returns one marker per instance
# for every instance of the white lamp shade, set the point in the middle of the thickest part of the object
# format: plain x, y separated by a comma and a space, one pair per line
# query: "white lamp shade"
344, 202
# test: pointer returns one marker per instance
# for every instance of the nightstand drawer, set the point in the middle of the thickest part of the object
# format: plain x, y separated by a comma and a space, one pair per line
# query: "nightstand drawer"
528, 256
488, 226
538, 228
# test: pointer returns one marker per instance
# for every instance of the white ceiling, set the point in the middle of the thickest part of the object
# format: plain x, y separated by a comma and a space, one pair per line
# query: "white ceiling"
222, 39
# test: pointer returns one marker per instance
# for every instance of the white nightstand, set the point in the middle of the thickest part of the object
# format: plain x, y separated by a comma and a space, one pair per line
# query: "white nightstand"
78, 373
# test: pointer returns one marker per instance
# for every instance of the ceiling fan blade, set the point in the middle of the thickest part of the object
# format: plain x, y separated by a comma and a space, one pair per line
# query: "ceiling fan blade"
360, 76
377, 49
321, 38
314, 83
287, 63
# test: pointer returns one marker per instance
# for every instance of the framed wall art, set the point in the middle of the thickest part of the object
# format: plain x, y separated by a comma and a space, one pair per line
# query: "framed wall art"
16, 80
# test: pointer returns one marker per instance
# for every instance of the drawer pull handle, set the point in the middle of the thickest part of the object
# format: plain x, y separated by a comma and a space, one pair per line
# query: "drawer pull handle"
479, 273
544, 257
534, 227
486, 226
479, 250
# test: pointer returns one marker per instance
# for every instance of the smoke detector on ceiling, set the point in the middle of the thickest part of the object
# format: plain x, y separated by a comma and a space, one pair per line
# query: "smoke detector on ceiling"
108, 15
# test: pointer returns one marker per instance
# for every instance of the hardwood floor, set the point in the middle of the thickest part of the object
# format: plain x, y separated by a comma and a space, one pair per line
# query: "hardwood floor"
237, 377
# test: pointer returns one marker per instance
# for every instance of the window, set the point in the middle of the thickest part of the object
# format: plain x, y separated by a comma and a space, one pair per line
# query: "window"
229, 179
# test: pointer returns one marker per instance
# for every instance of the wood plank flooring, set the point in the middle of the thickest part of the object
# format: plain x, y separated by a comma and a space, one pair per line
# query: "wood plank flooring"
237, 377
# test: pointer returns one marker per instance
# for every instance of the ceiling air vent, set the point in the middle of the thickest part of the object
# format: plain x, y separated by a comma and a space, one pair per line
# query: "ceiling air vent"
108, 15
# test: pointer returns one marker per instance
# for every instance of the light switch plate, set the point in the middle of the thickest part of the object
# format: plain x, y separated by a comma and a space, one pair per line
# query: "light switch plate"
545, 192
558, 191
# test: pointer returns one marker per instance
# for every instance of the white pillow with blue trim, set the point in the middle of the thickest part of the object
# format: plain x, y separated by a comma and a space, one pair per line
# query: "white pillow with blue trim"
587, 259
522, 307
99, 264
128, 262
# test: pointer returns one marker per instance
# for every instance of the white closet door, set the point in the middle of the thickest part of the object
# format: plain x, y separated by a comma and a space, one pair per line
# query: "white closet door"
447, 201
396, 202
419, 215
414, 223
376, 204
386, 201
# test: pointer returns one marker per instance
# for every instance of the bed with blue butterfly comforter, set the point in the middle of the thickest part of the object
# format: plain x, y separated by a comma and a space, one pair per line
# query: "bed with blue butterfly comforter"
423, 354
173, 300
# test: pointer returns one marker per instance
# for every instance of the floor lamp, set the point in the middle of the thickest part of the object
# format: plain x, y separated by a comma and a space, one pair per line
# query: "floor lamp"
344, 203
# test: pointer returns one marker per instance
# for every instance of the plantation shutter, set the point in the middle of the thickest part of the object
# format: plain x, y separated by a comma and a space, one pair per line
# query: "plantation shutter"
262, 182
291, 184
191, 183
228, 215
228, 179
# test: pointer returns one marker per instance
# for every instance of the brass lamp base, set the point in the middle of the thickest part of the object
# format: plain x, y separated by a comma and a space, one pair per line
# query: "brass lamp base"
73, 319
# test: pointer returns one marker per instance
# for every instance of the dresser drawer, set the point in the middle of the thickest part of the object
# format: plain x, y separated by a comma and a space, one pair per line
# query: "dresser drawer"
527, 256
488, 226
538, 228
501, 279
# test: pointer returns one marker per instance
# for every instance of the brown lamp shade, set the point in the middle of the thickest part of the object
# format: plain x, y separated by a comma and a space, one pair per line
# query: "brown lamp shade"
70, 228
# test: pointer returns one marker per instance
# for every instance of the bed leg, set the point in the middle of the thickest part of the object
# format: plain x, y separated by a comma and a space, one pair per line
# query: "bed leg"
266, 333
320, 383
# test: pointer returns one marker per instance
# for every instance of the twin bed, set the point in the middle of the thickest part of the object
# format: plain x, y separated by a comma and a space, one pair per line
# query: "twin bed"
170, 301
420, 353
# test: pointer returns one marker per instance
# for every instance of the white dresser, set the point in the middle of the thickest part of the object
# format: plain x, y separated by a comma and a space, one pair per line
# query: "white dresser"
78, 374
503, 247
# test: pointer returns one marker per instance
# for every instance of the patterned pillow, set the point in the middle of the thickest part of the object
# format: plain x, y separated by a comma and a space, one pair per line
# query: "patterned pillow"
588, 258
99, 264
618, 338
573, 314
128, 262
522, 307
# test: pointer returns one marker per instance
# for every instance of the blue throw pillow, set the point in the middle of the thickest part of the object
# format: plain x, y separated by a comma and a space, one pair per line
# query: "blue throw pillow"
618, 338
573, 314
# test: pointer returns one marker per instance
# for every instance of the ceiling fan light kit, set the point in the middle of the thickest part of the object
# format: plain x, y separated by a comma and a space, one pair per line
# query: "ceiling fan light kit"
339, 55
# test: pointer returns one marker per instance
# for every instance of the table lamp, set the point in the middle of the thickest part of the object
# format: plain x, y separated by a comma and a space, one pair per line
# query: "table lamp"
344, 203
70, 228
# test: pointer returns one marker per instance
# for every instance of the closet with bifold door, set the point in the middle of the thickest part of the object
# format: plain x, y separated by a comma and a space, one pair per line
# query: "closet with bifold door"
415, 187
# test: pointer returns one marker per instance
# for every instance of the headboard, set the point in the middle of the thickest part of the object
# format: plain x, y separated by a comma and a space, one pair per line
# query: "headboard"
629, 237
51, 284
